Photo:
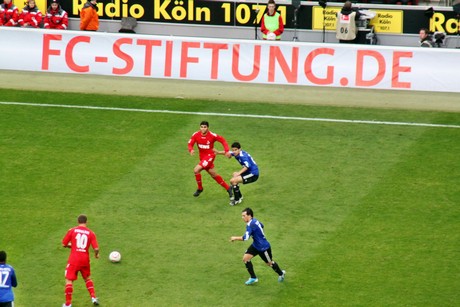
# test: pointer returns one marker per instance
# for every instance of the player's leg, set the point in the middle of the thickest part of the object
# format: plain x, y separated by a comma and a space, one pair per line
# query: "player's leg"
68, 292
248, 255
86, 273
70, 276
197, 170
244, 178
234, 181
267, 258
218, 178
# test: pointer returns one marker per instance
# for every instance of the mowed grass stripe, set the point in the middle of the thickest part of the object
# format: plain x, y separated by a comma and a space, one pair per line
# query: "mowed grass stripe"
331, 120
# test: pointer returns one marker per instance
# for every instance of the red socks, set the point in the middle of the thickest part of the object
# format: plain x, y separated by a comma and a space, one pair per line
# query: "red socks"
218, 179
221, 181
69, 290
68, 294
198, 181
90, 287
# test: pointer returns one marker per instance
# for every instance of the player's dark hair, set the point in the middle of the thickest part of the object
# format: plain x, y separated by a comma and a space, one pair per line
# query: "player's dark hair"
2, 256
82, 219
204, 123
236, 145
248, 212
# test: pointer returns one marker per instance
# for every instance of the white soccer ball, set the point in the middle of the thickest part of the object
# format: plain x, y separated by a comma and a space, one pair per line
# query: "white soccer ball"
115, 256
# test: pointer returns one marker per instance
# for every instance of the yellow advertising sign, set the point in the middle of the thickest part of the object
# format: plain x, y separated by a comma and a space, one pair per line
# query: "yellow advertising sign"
41, 4
385, 21
440, 23
329, 18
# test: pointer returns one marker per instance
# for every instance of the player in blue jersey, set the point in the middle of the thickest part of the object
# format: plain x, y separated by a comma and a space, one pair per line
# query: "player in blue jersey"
249, 173
7, 281
260, 246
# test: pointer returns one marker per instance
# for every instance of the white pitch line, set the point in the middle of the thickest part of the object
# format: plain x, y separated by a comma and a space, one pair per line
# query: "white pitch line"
330, 120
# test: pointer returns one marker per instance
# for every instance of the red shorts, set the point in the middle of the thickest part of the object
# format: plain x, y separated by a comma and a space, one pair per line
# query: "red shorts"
71, 271
207, 162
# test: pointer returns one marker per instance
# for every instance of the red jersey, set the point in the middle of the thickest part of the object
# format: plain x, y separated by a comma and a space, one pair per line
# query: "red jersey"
56, 19
32, 16
206, 142
80, 238
9, 15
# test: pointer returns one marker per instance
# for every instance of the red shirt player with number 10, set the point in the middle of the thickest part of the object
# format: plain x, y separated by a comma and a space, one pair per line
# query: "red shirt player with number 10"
205, 140
79, 239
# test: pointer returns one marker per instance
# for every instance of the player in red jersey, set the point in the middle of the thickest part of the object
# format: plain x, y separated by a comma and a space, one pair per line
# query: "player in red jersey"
79, 239
205, 140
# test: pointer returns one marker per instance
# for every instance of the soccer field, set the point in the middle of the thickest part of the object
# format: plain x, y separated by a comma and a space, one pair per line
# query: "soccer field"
360, 205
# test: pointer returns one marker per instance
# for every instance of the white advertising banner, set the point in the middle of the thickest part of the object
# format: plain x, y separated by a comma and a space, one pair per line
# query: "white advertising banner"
247, 61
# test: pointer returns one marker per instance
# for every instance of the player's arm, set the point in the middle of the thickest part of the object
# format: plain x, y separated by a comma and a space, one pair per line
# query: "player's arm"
191, 143
236, 174
219, 152
95, 245
245, 164
66, 241
224, 143
236, 238
14, 280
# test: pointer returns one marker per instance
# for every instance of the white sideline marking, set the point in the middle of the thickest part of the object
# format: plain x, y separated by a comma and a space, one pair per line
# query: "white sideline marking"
330, 120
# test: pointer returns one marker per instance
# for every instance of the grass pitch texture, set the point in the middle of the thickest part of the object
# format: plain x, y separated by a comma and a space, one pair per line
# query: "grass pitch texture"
357, 214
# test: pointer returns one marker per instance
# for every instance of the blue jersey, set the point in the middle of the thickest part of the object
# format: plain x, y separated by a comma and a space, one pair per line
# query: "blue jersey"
255, 229
7, 280
246, 160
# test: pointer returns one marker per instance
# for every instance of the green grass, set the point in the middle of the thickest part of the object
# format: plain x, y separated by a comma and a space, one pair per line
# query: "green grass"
357, 214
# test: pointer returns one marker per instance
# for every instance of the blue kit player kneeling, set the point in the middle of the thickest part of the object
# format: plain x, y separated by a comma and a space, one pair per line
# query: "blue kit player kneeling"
249, 173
